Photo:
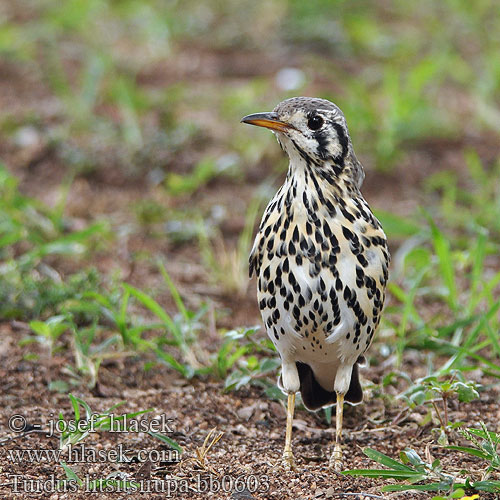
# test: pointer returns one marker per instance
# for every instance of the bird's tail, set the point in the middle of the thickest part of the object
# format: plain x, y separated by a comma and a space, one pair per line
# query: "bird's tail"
315, 396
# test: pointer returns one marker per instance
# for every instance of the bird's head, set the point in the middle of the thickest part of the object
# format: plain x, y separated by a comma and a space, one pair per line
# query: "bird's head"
313, 131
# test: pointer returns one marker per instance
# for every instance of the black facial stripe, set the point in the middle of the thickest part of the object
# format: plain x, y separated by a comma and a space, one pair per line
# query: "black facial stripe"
301, 152
304, 155
323, 141
340, 159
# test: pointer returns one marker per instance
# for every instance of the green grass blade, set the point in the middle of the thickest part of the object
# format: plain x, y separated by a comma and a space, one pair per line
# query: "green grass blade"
443, 252
493, 336
156, 309
173, 291
466, 449
490, 486
76, 407
170, 442
396, 474
385, 460
70, 473
444, 486
170, 360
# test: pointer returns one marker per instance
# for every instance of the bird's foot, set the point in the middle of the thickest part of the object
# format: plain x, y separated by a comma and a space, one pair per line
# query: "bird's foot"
288, 461
336, 459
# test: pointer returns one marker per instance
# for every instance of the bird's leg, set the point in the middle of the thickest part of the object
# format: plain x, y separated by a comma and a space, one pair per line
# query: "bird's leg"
288, 460
336, 458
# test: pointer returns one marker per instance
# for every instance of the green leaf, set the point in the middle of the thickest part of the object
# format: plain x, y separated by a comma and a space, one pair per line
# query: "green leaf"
60, 386
396, 474
70, 474
495, 342
76, 407
442, 249
170, 360
40, 328
156, 309
414, 458
443, 486
151, 304
385, 460
86, 407
466, 449
236, 379
466, 392
170, 442
489, 486
173, 291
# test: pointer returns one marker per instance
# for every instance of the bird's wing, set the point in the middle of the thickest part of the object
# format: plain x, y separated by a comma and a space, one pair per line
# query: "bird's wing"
255, 259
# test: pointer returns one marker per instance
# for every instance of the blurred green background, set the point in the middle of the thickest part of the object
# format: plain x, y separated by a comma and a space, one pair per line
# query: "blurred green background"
128, 81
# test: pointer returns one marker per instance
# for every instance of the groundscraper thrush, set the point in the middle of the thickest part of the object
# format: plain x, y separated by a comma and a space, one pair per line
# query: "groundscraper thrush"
321, 261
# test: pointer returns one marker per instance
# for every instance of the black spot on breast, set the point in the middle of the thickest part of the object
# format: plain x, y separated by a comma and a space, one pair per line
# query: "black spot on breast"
267, 273
326, 229
314, 269
331, 208
347, 214
318, 237
347, 233
286, 265
362, 260
360, 277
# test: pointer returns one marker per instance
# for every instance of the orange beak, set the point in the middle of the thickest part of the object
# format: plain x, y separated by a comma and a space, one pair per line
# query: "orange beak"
267, 120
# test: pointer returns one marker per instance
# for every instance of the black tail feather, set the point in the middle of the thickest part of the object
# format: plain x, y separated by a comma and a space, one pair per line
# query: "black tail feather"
315, 396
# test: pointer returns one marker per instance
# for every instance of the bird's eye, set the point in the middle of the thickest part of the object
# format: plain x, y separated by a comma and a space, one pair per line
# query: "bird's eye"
315, 122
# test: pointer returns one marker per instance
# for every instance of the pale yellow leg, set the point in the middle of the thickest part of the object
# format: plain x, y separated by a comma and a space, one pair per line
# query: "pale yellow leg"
336, 458
288, 460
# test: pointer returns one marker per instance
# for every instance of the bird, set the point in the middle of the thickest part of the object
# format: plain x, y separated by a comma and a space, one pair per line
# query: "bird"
321, 260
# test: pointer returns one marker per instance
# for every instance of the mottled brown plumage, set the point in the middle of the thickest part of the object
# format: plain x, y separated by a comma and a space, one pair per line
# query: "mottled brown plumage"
321, 260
